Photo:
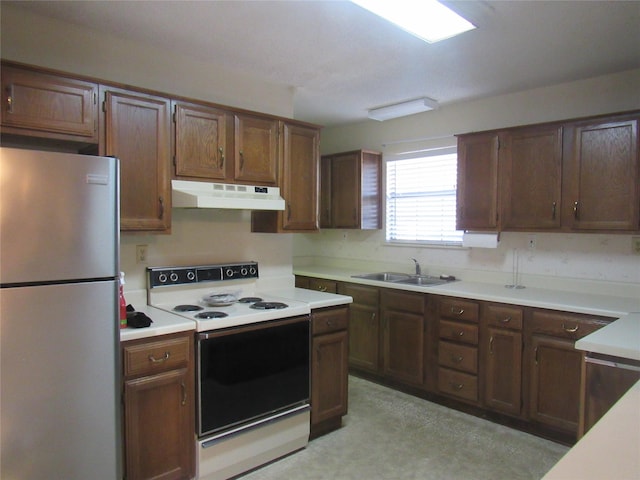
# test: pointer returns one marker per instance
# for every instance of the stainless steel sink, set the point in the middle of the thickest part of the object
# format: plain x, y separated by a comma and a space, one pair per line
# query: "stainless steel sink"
422, 280
384, 276
404, 278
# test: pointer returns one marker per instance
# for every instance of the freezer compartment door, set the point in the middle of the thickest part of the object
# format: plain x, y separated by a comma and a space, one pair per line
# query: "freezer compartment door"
59, 216
59, 390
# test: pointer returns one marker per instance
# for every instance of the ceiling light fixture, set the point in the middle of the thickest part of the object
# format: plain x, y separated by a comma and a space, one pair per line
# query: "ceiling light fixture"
403, 109
426, 19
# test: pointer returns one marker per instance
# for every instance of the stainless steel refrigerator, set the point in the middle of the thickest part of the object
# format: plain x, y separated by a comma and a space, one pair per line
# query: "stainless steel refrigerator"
59, 354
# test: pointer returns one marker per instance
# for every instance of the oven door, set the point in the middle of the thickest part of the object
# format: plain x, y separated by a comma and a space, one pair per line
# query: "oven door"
252, 372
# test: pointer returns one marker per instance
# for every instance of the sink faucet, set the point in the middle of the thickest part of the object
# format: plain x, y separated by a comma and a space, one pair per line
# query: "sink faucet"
418, 270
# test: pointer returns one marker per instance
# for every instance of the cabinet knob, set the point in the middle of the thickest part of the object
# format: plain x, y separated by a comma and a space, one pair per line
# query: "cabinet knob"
459, 311
505, 320
570, 329
456, 359
553, 211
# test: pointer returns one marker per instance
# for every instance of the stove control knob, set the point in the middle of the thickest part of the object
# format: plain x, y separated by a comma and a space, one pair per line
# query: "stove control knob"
162, 278
229, 273
243, 271
191, 276
252, 270
173, 277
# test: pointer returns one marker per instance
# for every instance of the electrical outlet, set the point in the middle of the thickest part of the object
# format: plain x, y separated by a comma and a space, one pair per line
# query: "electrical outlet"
635, 245
141, 254
532, 242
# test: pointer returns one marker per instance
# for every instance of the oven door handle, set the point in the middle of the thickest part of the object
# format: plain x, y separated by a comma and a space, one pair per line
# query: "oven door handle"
250, 426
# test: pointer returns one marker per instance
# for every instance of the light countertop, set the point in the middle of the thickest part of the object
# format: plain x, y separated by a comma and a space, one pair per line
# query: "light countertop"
619, 339
166, 322
590, 304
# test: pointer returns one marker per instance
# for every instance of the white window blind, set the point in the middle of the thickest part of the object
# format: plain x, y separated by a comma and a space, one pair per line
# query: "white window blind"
421, 200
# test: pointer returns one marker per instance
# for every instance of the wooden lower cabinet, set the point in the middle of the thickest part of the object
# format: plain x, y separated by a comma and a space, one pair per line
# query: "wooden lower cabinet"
329, 368
403, 336
555, 367
502, 345
159, 408
458, 348
364, 326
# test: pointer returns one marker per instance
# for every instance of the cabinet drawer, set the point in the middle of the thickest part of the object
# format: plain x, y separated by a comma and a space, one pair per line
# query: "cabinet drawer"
459, 332
152, 357
459, 310
329, 320
322, 285
403, 301
565, 325
360, 294
504, 316
458, 384
458, 357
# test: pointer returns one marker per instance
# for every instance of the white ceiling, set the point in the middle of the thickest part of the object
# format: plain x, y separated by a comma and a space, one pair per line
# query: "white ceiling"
343, 60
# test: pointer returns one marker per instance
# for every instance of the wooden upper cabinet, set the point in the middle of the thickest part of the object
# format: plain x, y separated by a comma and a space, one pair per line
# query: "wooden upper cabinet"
137, 130
49, 106
602, 189
299, 158
256, 149
477, 192
353, 182
201, 149
299, 170
531, 163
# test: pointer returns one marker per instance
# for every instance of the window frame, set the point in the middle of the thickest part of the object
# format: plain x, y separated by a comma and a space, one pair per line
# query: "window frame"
424, 153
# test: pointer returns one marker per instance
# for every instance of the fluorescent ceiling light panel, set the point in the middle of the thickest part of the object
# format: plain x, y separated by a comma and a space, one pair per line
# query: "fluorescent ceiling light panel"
403, 109
426, 19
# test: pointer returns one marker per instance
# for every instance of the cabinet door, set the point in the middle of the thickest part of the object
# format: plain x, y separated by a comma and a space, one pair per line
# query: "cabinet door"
555, 383
256, 149
403, 346
325, 193
200, 145
159, 426
137, 131
323, 285
364, 338
52, 106
299, 182
346, 187
329, 376
477, 192
531, 162
503, 371
603, 177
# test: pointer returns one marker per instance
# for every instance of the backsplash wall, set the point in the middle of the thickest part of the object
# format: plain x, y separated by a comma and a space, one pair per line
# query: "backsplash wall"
583, 262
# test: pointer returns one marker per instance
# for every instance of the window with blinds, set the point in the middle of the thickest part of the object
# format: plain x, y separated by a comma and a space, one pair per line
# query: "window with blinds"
421, 200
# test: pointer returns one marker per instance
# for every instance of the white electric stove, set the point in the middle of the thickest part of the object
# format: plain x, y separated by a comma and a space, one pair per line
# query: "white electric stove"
252, 364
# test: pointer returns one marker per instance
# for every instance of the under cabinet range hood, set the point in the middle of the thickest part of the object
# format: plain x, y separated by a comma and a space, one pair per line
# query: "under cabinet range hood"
187, 194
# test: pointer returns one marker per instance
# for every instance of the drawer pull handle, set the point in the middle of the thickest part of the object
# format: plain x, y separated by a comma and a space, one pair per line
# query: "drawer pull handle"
505, 320
456, 359
491, 345
460, 333
457, 386
459, 311
184, 394
322, 288
570, 330
164, 358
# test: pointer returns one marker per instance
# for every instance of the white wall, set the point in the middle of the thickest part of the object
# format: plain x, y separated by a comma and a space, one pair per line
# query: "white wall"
586, 261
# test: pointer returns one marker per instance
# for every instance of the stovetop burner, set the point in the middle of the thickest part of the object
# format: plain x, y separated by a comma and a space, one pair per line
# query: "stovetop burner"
187, 308
250, 299
268, 305
211, 314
